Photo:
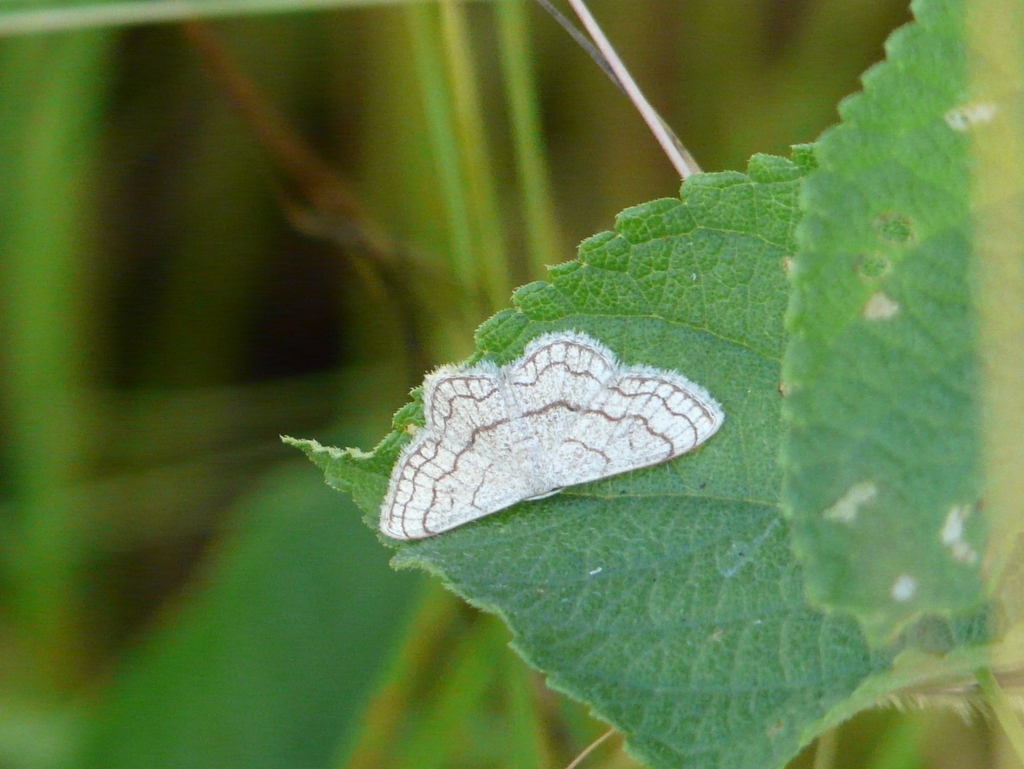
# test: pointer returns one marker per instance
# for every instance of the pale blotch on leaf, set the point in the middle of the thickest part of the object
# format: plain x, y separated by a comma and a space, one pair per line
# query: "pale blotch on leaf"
846, 509
903, 588
967, 116
952, 534
880, 307
787, 264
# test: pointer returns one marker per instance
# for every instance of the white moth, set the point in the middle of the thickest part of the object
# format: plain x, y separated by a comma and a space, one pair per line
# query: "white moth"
564, 413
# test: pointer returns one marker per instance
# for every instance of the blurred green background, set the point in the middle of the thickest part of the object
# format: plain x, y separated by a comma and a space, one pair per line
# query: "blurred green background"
212, 235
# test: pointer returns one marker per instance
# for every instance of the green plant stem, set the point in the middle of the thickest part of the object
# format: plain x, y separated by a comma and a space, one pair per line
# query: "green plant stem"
444, 141
491, 259
1003, 710
534, 179
50, 94
56, 17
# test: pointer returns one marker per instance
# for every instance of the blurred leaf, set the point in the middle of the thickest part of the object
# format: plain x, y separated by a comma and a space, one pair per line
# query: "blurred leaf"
995, 33
37, 736
465, 672
883, 452
667, 598
270, 663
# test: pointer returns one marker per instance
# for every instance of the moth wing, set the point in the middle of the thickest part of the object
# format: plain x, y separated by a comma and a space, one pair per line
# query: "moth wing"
553, 383
463, 464
644, 416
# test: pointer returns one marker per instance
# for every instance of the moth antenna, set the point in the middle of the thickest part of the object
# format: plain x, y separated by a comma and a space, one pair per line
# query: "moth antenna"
609, 61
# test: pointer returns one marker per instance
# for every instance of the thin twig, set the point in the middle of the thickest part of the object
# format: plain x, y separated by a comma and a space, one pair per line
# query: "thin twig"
590, 749
317, 202
1002, 707
583, 42
298, 163
673, 148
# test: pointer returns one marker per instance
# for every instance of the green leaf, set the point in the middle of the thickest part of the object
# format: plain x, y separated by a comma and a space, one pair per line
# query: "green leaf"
667, 598
882, 453
266, 667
